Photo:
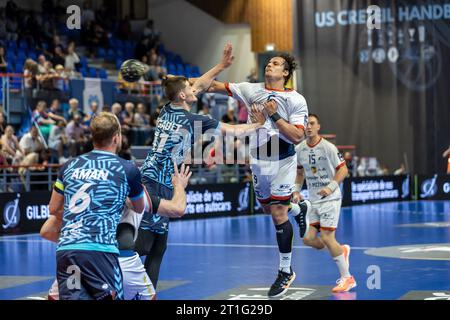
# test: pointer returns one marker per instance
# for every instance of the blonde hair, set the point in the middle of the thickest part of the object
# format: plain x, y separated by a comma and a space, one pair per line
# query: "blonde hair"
103, 128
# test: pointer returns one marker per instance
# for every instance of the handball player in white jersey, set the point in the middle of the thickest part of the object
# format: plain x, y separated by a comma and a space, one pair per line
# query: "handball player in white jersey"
272, 154
320, 162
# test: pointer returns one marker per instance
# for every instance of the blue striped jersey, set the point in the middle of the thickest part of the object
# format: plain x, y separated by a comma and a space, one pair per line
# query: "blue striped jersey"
95, 186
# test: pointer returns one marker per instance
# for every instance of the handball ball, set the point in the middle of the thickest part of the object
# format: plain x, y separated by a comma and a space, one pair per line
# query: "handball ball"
132, 70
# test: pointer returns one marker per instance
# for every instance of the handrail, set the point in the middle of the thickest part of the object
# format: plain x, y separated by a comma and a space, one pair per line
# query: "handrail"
38, 165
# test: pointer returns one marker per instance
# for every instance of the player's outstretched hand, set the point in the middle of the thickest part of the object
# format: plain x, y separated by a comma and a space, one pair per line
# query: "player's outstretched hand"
271, 107
296, 197
181, 178
257, 114
227, 56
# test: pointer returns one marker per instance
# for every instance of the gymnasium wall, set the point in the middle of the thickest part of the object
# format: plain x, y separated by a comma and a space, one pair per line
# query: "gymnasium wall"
199, 38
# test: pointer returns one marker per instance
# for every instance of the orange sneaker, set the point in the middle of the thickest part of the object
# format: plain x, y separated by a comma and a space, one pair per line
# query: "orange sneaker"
344, 284
346, 251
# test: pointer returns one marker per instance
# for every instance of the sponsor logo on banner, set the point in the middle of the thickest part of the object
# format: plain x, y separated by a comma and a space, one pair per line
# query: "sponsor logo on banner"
429, 187
405, 188
410, 37
11, 214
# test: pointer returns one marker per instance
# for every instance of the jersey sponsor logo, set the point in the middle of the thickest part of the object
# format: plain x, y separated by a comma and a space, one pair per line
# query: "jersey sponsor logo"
90, 174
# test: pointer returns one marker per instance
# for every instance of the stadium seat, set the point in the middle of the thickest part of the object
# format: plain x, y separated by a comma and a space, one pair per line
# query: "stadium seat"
102, 74
84, 62
84, 72
101, 53
22, 55
180, 69
23, 45
92, 73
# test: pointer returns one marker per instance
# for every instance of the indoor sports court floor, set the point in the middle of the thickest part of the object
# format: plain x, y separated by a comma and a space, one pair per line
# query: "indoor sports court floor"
237, 258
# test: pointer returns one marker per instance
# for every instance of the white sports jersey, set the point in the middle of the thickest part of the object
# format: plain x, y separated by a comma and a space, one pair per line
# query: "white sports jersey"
291, 106
320, 162
132, 218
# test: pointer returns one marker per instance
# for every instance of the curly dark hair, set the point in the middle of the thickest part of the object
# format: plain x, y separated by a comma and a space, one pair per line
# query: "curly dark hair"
289, 64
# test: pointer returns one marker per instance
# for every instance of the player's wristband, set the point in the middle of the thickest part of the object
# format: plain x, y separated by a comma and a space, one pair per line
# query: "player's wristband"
333, 185
275, 117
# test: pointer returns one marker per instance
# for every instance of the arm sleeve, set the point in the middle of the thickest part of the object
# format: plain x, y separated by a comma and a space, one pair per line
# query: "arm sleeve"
59, 184
335, 157
299, 115
240, 91
134, 181
207, 123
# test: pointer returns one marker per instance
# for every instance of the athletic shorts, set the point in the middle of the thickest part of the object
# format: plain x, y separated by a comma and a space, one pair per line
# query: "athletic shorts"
325, 215
88, 275
274, 181
136, 283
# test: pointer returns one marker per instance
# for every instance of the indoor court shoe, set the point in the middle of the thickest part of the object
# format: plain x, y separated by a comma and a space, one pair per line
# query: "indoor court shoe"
281, 284
302, 217
344, 284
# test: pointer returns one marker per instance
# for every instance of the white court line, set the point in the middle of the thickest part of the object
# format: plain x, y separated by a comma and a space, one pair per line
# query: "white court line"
219, 245
226, 245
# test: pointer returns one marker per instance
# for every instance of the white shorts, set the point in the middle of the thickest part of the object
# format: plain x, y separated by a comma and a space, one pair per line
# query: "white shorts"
325, 215
274, 181
136, 283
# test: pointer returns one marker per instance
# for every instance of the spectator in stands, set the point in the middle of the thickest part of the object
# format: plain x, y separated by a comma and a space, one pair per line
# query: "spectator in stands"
42, 61
142, 48
253, 76
150, 33
125, 151
106, 108
42, 118
75, 132
30, 71
58, 56
141, 118
55, 109
349, 163
10, 147
124, 29
401, 170
3, 62
12, 28
34, 148
74, 109
88, 15
61, 79
46, 78
117, 110
57, 140
2, 123
71, 59
229, 117
55, 43
11, 8
142, 124
94, 110
205, 111
3, 31
209, 99
128, 119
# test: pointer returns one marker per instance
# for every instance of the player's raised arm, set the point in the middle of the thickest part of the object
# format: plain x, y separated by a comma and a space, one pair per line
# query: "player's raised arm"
206, 80
293, 132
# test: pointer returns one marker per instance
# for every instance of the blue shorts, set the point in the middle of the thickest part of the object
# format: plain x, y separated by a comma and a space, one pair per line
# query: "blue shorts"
88, 275
153, 222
